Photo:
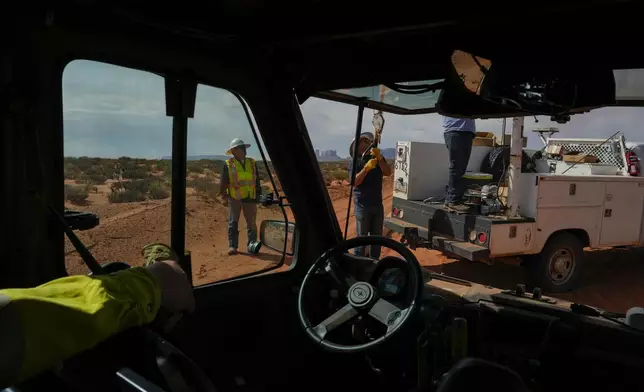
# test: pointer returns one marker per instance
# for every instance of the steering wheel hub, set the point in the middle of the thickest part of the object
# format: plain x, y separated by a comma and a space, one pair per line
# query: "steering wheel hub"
361, 294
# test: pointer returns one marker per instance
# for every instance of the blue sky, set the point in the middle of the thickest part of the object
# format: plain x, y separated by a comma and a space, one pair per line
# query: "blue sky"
111, 111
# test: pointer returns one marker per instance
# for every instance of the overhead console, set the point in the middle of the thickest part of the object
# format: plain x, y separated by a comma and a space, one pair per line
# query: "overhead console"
477, 85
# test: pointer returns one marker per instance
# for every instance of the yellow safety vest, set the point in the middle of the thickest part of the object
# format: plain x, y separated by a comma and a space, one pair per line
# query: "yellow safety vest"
242, 181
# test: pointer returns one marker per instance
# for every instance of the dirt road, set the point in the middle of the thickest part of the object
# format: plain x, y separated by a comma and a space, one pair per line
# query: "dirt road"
612, 280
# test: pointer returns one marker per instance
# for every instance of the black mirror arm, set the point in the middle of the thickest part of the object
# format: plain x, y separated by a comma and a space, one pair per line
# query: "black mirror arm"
268, 200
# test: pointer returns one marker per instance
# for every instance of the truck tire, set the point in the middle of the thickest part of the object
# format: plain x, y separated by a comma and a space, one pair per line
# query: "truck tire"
559, 265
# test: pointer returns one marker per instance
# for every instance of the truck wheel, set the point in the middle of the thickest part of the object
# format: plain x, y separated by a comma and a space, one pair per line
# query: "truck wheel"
558, 267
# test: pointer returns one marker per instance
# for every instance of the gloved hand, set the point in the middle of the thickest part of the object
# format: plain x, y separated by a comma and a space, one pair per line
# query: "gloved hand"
375, 151
371, 164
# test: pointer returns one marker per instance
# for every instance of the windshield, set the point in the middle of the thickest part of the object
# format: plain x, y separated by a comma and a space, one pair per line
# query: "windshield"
611, 279
396, 99
629, 84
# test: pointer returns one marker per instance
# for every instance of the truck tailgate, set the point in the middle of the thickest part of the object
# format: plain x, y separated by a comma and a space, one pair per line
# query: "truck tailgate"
444, 244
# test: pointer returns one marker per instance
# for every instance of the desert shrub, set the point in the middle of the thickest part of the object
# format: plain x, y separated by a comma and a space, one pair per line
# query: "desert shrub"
135, 173
196, 166
128, 191
206, 187
142, 162
93, 170
157, 191
125, 196
141, 186
215, 166
82, 163
137, 191
76, 194
93, 179
340, 174
163, 165
71, 171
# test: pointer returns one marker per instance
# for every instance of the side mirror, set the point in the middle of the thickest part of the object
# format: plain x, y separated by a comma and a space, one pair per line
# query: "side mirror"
275, 234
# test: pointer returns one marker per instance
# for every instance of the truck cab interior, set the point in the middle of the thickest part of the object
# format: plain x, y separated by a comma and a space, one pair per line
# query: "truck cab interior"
331, 321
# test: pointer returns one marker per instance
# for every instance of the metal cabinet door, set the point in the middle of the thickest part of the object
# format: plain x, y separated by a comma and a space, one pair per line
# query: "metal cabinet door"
622, 214
401, 170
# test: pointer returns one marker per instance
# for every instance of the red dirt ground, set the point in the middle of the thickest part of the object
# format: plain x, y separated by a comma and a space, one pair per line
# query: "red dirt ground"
612, 280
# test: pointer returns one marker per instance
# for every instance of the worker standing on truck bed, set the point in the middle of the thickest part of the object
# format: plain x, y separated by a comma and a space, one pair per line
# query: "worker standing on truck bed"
367, 192
459, 135
240, 189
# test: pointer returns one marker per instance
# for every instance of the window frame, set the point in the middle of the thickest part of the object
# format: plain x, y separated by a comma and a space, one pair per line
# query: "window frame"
256, 135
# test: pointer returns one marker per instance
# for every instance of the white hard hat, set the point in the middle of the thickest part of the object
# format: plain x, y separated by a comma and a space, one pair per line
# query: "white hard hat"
237, 142
367, 135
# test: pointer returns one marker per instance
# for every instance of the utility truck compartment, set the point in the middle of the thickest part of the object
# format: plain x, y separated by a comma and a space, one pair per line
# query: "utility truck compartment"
608, 210
597, 200
421, 169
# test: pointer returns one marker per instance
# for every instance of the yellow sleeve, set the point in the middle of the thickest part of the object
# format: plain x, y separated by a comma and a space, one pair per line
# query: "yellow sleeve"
69, 315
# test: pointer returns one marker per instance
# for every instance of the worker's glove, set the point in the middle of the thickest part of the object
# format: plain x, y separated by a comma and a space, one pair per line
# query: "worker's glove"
158, 252
371, 164
375, 151
224, 200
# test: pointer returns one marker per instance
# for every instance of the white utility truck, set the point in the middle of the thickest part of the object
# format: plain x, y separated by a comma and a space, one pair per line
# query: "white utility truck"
557, 204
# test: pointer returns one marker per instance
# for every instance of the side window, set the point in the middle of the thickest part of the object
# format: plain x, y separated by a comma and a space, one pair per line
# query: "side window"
118, 143
118, 166
225, 220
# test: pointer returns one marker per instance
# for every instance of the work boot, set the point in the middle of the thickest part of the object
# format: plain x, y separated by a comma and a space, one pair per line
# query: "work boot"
232, 251
158, 252
458, 208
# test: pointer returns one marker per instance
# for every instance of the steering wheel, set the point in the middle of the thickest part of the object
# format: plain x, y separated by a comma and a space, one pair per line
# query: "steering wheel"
363, 298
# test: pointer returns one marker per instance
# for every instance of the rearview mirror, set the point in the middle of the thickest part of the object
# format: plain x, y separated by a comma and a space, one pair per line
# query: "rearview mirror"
275, 234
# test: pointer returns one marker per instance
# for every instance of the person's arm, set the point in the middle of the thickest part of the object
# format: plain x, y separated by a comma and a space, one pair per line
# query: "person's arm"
382, 163
258, 184
42, 326
384, 166
223, 181
360, 176
64, 317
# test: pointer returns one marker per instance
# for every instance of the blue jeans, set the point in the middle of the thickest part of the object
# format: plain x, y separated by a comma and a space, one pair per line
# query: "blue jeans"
369, 221
459, 146
235, 208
